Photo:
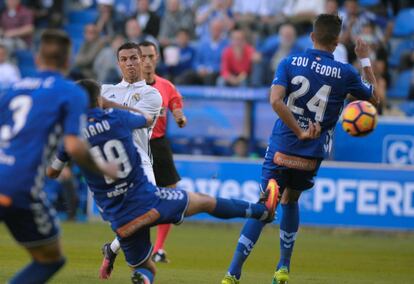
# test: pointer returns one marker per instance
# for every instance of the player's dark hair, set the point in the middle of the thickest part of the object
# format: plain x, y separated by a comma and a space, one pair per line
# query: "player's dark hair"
128, 45
147, 43
55, 47
326, 29
93, 89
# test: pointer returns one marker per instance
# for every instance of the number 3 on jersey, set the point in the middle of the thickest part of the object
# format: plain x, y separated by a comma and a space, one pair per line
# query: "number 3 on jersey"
316, 104
20, 106
113, 151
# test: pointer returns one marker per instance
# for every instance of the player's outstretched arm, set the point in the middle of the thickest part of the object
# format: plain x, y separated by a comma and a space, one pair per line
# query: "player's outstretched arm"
110, 104
362, 52
276, 100
78, 150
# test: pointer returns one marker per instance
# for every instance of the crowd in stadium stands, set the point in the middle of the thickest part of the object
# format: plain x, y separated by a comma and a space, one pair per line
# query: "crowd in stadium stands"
210, 42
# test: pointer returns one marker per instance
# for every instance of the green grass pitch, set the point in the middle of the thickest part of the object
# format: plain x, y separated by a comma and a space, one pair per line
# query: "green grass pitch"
200, 253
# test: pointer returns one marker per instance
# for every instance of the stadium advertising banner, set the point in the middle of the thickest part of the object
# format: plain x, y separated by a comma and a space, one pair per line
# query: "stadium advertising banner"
344, 195
371, 196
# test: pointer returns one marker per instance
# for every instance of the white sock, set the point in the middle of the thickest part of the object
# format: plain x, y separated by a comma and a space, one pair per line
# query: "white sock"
115, 246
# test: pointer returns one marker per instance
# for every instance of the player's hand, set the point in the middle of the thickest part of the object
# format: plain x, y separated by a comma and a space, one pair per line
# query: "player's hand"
109, 169
361, 49
313, 131
182, 121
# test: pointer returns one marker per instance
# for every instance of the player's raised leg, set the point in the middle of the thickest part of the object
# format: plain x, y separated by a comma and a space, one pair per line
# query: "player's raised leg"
222, 208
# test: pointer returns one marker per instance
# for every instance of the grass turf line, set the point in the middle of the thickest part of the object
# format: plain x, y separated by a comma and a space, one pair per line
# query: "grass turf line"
201, 253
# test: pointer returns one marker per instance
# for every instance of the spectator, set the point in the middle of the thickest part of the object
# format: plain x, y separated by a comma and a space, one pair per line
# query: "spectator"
47, 13
174, 19
246, 13
303, 12
83, 67
105, 24
105, 65
9, 72
354, 19
17, 25
134, 33
207, 58
217, 9
240, 148
186, 55
271, 52
148, 20
237, 60
271, 16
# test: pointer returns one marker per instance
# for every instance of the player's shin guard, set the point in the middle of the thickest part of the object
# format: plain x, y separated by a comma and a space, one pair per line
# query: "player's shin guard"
233, 208
248, 237
142, 276
37, 272
289, 225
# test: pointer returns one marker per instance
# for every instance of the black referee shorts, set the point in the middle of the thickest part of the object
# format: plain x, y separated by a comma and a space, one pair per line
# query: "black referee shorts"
163, 164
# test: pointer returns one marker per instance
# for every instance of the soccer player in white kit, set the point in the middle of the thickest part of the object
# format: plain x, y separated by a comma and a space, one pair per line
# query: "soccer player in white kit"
132, 92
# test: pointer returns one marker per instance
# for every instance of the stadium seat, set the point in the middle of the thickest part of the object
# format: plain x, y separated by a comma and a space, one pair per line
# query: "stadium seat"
401, 86
221, 147
74, 30
180, 145
24, 58
367, 3
405, 46
83, 17
304, 42
404, 24
407, 108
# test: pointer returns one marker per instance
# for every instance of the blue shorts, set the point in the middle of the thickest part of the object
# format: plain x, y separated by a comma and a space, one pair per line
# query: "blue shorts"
33, 225
292, 178
168, 207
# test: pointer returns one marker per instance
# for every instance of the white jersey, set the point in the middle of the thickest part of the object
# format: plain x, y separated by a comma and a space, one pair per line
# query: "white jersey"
145, 98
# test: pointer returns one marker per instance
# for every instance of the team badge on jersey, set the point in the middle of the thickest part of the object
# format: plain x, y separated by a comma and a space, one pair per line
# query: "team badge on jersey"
136, 97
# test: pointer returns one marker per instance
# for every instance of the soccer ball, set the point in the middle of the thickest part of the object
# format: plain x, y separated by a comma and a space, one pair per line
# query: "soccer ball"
359, 118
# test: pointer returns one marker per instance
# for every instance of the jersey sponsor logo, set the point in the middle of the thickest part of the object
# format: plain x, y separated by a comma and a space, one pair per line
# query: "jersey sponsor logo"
144, 220
294, 162
398, 149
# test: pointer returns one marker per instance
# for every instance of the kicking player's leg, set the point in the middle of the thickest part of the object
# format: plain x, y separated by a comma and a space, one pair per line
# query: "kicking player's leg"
233, 208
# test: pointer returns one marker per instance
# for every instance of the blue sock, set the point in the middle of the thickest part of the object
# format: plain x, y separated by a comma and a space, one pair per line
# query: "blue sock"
232, 208
37, 273
146, 273
248, 237
289, 225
